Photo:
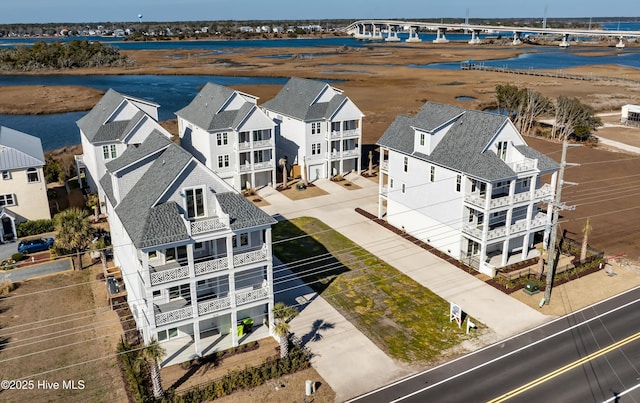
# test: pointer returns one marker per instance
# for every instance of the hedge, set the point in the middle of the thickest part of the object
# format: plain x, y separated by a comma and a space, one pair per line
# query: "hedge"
34, 227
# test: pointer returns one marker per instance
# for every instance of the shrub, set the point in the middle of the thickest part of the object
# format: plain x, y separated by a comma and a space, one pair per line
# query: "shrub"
7, 264
6, 286
17, 257
34, 227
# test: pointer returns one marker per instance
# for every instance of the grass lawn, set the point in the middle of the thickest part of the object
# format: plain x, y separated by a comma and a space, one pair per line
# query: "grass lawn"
403, 318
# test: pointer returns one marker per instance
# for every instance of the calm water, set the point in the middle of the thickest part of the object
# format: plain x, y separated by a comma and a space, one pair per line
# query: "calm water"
175, 92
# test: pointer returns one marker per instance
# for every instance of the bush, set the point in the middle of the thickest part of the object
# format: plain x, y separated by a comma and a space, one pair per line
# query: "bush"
6, 286
17, 256
7, 264
34, 227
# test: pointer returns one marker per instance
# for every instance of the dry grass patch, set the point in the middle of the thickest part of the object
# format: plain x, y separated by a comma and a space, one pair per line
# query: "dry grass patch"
60, 329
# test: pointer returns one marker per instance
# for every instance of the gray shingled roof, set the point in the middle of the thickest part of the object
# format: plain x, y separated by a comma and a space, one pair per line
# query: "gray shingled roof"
19, 150
242, 213
462, 147
93, 123
296, 98
135, 209
154, 142
203, 109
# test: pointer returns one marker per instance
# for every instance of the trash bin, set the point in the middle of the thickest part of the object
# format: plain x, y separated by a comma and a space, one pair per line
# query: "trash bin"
240, 328
531, 287
248, 325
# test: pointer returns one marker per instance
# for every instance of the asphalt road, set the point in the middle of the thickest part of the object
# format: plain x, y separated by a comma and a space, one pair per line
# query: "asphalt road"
38, 270
592, 355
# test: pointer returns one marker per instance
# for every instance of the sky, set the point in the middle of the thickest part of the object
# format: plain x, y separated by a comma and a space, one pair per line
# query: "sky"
74, 11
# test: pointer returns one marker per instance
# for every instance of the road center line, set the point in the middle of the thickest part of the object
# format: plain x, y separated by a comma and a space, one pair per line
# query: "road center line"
566, 368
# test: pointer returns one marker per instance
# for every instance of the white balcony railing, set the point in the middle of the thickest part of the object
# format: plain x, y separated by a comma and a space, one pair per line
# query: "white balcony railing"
209, 225
210, 266
344, 133
214, 305
253, 256
246, 297
175, 315
525, 165
538, 222
247, 145
165, 276
345, 154
384, 165
545, 191
256, 166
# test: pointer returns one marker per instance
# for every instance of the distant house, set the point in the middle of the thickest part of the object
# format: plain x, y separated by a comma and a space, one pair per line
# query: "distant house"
23, 190
195, 255
630, 115
318, 127
116, 122
466, 183
231, 135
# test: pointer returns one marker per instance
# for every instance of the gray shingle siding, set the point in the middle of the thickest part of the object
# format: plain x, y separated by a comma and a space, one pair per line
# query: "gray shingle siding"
461, 149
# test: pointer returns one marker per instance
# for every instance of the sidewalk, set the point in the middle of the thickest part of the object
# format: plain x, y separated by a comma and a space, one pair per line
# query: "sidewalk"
343, 345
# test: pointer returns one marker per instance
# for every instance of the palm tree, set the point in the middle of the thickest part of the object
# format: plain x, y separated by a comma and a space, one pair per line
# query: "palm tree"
73, 232
93, 201
150, 355
283, 163
282, 314
585, 230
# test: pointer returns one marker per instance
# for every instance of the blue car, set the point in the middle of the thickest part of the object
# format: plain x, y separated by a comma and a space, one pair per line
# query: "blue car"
35, 245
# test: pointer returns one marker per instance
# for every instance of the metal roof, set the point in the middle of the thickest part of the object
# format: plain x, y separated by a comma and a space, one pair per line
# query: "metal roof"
19, 150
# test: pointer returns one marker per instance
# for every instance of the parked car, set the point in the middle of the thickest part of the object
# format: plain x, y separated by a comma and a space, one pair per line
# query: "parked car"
35, 245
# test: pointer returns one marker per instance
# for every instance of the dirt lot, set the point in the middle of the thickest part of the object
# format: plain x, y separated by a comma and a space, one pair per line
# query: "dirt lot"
60, 329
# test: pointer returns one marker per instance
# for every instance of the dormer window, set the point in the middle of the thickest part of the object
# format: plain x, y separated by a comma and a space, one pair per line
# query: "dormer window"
195, 202
109, 152
502, 150
422, 139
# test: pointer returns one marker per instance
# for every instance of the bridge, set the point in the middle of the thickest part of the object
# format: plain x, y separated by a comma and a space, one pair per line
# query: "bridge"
387, 30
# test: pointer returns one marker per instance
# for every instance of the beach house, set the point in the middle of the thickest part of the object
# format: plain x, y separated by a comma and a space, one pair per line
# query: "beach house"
231, 135
318, 128
466, 183
23, 190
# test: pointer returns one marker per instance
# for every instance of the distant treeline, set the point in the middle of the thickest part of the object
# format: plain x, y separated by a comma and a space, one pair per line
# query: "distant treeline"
61, 55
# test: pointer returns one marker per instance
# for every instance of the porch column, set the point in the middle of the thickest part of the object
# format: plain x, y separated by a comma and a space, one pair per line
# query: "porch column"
232, 292
485, 225
270, 279
197, 349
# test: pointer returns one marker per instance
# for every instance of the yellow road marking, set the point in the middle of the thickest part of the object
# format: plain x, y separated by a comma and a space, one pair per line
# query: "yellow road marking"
564, 369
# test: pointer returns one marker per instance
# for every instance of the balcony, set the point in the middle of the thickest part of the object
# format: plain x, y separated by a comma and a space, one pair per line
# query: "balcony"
254, 256
174, 311
248, 145
524, 165
345, 154
209, 265
204, 225
252, 295
517, 228
258, 166
214, 305
345, 134
476, 200
384, 165
168, 272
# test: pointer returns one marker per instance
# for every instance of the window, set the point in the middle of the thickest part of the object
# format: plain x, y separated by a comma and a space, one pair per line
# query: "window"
195, 202
524, 183
315, 128
109, 152
350, 125
406, 164
32, 175
167, 334
6, 175
223, 161
404, 187
315, 149
432, 174
502, 150
244, 240
390, 183
422, 138
157, 294
223, 139
474, 183
180, 291
7, 200
458, 183
335, 126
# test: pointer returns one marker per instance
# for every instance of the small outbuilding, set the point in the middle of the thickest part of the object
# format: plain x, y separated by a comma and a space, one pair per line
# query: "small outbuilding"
630, 115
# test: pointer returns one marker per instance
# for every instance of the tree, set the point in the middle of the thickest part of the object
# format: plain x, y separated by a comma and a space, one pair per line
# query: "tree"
572, 116
93, 201
73, 233
586, 230
282, 314
150, 355
536, 105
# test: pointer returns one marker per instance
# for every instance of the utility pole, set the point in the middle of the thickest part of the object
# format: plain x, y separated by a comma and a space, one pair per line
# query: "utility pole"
556, 206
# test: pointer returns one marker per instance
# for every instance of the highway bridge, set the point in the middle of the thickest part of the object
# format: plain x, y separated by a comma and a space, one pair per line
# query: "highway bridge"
387, 30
